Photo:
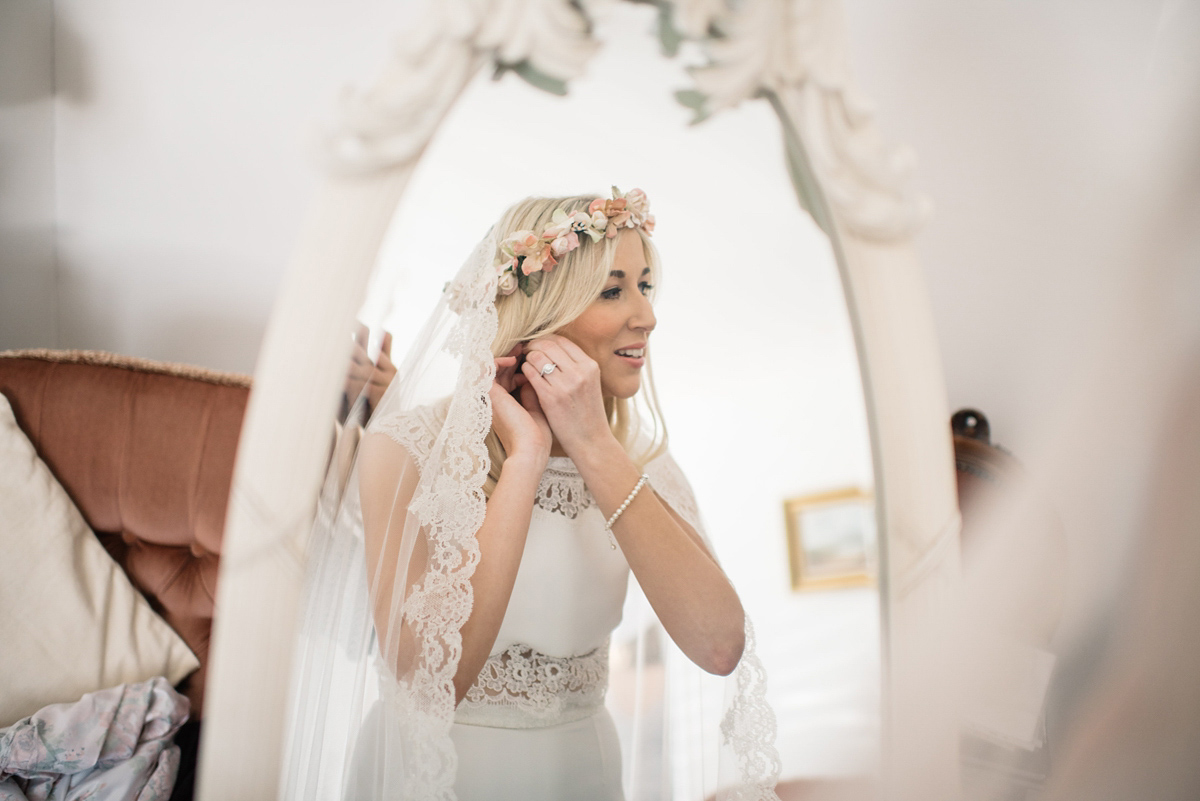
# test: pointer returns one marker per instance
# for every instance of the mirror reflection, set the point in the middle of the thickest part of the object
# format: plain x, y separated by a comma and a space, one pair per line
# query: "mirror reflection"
753, 360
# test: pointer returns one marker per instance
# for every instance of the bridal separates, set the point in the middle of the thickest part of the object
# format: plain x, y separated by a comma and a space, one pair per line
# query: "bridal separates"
533, 726
387, 591
577, 760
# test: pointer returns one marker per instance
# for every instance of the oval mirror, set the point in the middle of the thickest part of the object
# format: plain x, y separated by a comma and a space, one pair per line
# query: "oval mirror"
771, 313
753, 355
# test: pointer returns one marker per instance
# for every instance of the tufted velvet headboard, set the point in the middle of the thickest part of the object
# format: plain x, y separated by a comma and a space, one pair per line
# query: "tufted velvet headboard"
146, 451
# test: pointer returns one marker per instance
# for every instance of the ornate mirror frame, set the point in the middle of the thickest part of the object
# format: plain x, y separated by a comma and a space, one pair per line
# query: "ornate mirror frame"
789, 53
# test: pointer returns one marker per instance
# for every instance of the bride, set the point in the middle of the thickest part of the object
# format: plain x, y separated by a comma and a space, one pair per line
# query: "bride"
500, 518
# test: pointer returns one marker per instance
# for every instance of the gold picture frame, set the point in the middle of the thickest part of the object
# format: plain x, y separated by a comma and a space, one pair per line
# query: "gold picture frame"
831, 538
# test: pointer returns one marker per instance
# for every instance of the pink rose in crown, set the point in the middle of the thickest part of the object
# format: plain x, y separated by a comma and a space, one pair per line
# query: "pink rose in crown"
526, 256
507, 283
561, 232
615, 224
519, 244
526, 244
638, 205
565, 243
618, 215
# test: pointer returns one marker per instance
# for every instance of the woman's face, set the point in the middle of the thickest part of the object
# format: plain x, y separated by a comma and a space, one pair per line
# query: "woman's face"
615, 329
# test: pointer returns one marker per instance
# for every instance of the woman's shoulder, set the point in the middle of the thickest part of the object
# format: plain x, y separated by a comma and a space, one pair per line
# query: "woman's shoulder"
665, 472
415, 429
671, 484
655, 457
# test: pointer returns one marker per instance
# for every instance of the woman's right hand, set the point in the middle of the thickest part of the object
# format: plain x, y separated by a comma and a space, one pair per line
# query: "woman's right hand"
516, 414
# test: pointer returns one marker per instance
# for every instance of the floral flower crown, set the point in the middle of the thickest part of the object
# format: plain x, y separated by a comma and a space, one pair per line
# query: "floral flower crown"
526, 257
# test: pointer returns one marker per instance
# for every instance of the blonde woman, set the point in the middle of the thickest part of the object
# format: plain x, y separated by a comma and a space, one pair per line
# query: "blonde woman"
501, 521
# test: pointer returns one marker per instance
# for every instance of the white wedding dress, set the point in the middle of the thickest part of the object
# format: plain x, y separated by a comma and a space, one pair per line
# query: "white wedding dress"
534, 726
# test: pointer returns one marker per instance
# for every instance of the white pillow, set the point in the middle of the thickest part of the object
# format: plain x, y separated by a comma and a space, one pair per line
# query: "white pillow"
70, 620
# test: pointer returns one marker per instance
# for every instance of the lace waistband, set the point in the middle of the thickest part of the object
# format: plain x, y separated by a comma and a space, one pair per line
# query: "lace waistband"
520, 688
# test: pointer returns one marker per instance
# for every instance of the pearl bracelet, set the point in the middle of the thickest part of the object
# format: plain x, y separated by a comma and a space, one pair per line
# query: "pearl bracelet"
636, 489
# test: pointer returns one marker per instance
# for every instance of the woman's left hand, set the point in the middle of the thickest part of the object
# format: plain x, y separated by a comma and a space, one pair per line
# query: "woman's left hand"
570, 394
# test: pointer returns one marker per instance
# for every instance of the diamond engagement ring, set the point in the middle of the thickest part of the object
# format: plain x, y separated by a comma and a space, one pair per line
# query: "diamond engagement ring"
548, 369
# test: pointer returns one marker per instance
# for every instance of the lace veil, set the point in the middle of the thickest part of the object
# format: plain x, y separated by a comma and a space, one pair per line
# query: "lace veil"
380, 639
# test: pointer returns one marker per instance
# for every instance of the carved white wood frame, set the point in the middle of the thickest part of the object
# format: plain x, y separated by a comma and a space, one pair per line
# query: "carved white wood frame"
792, 53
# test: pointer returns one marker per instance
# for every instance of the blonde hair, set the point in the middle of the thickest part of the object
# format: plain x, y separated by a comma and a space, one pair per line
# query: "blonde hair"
565, 293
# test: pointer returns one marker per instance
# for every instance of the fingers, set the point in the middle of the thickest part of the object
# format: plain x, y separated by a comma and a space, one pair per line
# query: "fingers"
570, 348
533, 376
536, 365
559, 348
358, 353
506, 368
359, 370
383, 363
552, 346
499, 396
539, 384
506, 372
530, 400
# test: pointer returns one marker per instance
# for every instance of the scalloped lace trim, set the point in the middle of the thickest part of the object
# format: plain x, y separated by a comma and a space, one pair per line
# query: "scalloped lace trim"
749, 729
520, 688
449, 505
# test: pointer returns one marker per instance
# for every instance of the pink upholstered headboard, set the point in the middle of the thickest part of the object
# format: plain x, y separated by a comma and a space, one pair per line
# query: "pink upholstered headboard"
146, 451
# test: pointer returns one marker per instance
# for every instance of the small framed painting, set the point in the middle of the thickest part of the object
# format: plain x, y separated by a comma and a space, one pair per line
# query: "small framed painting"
832, 539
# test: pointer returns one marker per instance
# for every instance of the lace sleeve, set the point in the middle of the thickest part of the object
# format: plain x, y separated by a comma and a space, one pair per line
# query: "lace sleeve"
672, 486
415, 429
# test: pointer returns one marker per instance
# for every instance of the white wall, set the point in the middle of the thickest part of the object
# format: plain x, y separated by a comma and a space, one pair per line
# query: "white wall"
27, 278
1060, 142
1040, 147
1045, 133
183, 153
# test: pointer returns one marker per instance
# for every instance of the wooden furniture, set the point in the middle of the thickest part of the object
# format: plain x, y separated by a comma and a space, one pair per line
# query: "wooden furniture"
1015, 564
1003, 509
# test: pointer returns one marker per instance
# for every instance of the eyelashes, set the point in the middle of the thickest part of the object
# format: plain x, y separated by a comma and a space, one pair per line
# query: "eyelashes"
614, 292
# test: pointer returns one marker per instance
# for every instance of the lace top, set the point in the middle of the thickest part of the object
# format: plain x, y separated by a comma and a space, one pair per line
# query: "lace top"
550, 661
549, 664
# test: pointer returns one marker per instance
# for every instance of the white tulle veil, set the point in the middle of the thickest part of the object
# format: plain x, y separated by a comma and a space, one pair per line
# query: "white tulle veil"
381, 617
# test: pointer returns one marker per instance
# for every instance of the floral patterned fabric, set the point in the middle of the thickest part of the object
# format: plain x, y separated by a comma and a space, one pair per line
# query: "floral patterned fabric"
111, 744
